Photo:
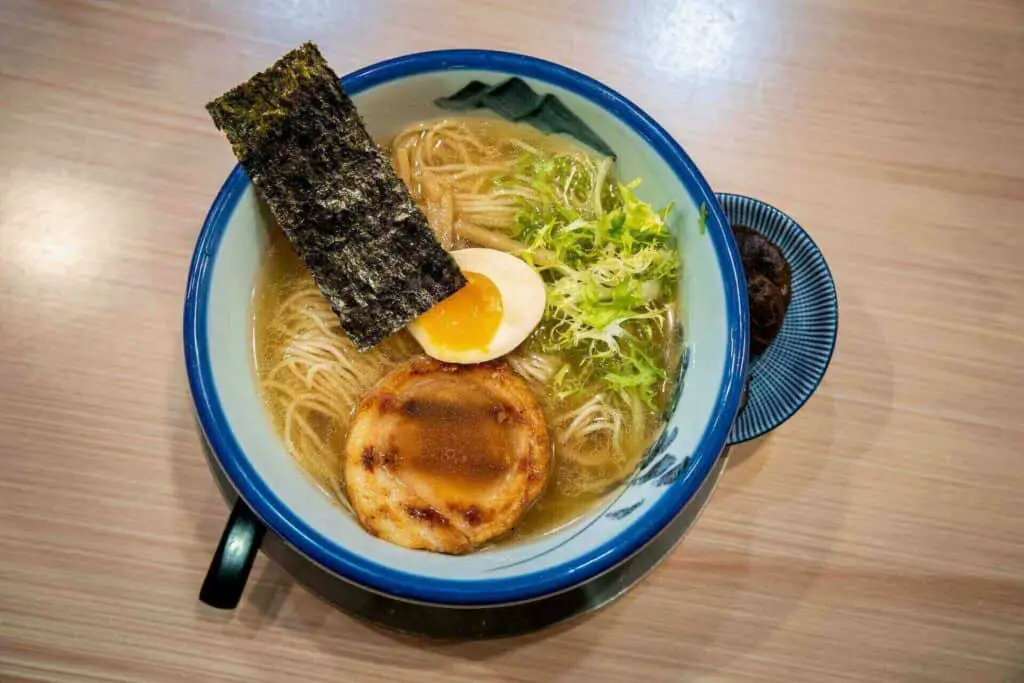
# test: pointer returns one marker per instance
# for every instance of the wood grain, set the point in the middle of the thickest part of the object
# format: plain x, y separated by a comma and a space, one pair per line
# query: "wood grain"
878, 536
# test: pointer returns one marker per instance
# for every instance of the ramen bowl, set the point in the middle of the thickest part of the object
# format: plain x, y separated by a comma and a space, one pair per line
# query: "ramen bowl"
274, 492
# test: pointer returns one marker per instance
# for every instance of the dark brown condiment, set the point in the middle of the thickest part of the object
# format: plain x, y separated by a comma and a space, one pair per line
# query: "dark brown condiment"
769, 286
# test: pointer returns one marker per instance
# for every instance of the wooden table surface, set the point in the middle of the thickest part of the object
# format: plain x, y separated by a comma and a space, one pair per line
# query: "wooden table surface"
877, 536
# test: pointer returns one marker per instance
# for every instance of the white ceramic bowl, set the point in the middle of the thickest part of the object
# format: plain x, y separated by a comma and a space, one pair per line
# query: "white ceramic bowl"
227, 258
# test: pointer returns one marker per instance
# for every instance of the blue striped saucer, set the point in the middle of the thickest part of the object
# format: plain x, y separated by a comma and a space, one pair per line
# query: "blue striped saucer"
783, 378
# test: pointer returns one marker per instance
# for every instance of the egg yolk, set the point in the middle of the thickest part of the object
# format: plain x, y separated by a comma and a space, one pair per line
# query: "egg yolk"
468, 319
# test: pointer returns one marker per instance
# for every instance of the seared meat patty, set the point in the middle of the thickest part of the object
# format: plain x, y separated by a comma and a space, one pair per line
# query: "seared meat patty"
446, 457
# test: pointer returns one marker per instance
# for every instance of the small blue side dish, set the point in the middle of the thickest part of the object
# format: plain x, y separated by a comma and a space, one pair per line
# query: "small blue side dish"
783, 378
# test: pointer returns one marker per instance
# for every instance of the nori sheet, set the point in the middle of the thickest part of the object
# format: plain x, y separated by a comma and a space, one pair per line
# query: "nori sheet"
335, 196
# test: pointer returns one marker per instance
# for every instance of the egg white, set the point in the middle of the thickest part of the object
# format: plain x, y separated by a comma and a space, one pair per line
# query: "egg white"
522, 298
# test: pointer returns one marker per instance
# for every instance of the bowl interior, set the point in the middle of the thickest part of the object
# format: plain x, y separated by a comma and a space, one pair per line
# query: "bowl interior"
229, 258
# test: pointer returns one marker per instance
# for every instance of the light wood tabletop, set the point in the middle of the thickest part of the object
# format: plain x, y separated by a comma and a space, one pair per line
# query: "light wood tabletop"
877, 536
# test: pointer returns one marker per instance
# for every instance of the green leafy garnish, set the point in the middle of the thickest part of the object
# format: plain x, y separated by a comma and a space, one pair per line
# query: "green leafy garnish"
615, 273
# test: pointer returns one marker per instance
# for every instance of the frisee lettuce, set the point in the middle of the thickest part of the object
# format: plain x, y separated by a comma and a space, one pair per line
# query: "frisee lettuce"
616, 272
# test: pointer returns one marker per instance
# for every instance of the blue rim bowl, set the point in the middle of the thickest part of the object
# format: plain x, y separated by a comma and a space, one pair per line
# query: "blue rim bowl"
641, 528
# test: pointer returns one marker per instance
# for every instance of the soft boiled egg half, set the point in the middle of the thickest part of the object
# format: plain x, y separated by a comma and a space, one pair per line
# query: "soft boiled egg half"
500, 305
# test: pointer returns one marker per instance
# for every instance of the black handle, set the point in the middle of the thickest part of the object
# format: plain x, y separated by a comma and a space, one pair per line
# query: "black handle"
229, 569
